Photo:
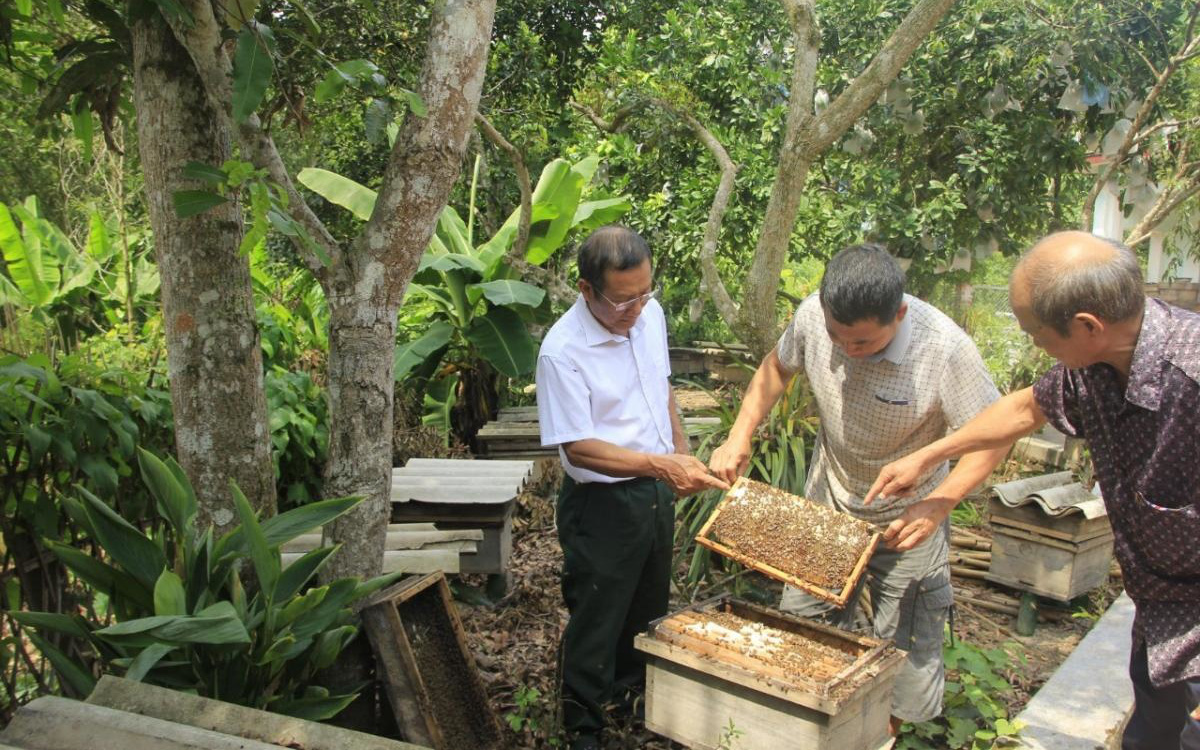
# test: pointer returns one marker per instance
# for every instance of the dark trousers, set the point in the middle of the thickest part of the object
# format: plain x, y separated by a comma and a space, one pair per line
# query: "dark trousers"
616, 541
1161, 716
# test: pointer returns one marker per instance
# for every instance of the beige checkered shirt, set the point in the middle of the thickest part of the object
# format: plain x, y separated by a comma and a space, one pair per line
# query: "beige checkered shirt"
929, 381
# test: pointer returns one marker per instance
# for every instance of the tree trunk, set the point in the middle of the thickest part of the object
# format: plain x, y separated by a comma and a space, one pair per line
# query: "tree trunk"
213, 356
362, 340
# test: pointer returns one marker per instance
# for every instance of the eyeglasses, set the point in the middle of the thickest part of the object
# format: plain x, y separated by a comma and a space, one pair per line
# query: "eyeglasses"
623, 306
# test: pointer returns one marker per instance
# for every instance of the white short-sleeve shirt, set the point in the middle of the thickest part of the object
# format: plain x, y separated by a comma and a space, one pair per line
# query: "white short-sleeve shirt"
592, 383
930, 380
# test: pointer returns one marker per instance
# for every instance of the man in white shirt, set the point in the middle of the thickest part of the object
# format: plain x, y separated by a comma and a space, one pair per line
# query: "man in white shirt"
889, 373
604, 400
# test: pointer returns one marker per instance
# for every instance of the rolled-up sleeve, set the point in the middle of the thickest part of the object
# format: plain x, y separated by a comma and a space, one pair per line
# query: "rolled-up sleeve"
564, 406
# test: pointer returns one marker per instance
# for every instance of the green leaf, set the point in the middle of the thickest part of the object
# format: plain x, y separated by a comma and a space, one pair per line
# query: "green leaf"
501, 338
102, 576
592, 214
25, 7
376, 120
176, 502
339, 190
222, 629
169, 597
252, 69
342, 75
34, 272
295, 576
54, 621
289, 525
451, 262
511, 292
313, 709
201, 172
146, 660
412, 353
82, 124
329, 644
123, 542
415, 104
311, 27
189, 203
265, 559
80, 681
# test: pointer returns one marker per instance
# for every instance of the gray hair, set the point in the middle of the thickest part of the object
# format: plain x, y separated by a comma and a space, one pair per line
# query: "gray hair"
1111, 288
612, 247
862, 282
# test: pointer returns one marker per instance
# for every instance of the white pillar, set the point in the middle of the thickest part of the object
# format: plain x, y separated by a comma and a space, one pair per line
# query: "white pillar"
1108, 218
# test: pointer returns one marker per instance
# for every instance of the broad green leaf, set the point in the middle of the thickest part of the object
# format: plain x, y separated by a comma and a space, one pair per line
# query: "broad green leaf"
104, 577
57, 622
34, 272
329, 644
80, 681
226, 628
592, 214
301, 604
452, 231
376, 121
175, 501
83, 125
412, 353
502, 339
252, 69
169, 597
265, 559
287, 526
339, 190
340, 593
511, 292
342, 75
451, 262
100, 246
145, 661
201, 172
313, 709
295, 576
415, 104
25, 7
124, 543
560, 185
189, 203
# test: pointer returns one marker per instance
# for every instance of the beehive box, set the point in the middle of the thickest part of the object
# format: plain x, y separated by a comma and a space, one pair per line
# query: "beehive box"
775, 681
436, 693
786, 537
1047, 566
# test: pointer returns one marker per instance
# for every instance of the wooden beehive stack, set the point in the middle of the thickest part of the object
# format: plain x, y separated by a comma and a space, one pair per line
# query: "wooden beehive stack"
1050, 537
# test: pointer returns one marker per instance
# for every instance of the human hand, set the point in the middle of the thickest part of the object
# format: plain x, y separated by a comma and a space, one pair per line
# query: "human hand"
897, 479
730, 460
918, 522
686, 474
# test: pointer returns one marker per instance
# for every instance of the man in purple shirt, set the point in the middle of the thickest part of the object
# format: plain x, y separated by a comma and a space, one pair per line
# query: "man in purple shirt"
1128, 381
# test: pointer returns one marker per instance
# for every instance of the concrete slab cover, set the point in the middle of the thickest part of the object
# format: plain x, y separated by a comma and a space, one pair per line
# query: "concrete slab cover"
53, 723
1090, 695
205, 713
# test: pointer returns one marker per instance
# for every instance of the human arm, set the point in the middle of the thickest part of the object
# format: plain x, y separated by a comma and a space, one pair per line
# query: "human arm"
685, 474
730, 460
996, 427
922, 519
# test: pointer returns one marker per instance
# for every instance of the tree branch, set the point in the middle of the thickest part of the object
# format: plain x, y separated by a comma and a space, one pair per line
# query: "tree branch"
518, 160
1166, 203
205, 46
615, 125
427, 156
725, 305
866, 87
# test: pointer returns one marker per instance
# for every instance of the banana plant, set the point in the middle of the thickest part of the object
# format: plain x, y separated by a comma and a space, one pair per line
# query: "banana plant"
477, 307
184, 619
44, 269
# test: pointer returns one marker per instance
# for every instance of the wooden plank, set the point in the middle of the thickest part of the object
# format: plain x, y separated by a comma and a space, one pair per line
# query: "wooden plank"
734, 674
382, 623
491, 495
408, 561
396, 540
458, 463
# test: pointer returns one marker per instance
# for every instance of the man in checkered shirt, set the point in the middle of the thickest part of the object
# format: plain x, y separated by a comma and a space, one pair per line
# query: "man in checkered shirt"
889, 374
